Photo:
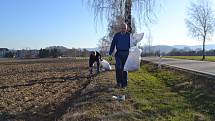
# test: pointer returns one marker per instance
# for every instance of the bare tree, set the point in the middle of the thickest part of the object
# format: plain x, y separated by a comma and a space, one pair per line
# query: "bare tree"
104, 45
118, 11
201, 22
112, 8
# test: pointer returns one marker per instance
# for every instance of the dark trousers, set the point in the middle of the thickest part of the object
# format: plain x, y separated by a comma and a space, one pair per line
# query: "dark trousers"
121, 75
91, 65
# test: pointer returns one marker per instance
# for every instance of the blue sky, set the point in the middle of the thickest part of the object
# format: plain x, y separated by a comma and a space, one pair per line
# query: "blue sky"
40, 23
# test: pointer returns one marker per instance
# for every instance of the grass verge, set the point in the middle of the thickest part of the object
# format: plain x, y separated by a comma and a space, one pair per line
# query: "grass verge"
207, 58
170, 95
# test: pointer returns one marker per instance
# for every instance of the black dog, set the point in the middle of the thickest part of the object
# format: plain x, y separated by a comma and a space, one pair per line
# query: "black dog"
94, 57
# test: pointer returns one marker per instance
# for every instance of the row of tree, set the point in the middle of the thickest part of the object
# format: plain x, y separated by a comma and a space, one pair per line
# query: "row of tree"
44, 53
178, 52
9, 55
47, 53
182, 52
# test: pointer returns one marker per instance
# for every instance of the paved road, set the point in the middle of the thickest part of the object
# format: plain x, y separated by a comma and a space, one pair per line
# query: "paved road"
204, 67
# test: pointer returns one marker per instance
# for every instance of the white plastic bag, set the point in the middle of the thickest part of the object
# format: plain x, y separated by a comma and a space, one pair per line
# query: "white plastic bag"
133, 61
135, 38
105, 65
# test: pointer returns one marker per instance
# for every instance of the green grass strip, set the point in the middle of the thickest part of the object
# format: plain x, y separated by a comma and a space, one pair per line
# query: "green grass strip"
156, 99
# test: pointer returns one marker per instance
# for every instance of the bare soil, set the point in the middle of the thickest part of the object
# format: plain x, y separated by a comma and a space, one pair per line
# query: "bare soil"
56, 89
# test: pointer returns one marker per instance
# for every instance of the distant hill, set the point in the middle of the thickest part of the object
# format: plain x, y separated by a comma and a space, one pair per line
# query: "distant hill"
61, 48
166, 48
91, 49
207, 47
161, 48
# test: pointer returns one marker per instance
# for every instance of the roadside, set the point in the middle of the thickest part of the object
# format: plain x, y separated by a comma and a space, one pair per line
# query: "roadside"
199, 58
172, 95
197, 67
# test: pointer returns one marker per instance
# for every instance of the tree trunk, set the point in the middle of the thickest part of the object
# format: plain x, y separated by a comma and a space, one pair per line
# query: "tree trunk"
203, 50
128, 5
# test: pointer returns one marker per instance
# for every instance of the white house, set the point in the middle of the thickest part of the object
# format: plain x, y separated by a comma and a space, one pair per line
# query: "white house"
3, 51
